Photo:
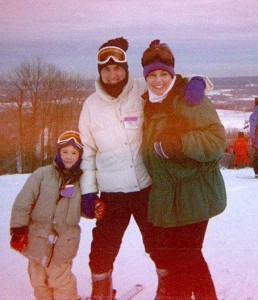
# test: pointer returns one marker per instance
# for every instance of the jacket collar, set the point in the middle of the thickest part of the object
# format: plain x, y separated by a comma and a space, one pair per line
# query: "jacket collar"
165, 106
105, 96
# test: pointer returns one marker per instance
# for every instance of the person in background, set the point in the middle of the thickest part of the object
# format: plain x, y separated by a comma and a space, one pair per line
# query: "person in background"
44, 221
254, 135
240, 150
182, 147
110, 126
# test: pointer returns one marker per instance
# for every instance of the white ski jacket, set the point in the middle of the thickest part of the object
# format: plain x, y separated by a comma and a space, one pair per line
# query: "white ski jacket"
111, 132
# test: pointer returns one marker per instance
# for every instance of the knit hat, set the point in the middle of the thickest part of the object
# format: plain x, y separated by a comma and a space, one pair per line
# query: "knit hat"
113, 52
256, 101
70, 138
158, 57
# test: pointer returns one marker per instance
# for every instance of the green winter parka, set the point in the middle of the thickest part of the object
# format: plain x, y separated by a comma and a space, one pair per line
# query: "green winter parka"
187, 187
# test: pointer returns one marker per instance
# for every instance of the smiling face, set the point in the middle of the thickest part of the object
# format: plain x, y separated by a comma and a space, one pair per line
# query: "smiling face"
112, 74
158, 81
69, 156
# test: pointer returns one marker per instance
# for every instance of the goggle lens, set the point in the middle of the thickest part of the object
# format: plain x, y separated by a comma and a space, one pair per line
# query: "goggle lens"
106, 53
70, 135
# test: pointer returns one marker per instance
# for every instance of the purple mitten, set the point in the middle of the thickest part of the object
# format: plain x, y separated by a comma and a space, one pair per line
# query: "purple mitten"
193, 90
88, 205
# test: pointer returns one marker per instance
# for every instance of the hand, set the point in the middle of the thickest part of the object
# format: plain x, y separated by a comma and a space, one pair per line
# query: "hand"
92, 207
19, 239
193, 90
99, 209
87, 205
169, 140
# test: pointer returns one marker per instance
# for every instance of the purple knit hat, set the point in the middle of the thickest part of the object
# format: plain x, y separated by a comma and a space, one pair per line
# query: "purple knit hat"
158, 57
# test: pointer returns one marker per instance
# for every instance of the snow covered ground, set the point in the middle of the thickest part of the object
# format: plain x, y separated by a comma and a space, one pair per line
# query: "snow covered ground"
233, 118
230, 247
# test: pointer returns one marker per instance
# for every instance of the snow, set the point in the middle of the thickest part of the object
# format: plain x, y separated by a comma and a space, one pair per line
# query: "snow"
230, 246
233, 118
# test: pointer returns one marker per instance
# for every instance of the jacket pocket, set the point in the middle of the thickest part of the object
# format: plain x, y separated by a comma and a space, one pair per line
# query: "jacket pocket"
67, 245
40, 245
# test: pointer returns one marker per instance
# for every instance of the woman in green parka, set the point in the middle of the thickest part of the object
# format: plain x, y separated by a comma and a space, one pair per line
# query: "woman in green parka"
182, 146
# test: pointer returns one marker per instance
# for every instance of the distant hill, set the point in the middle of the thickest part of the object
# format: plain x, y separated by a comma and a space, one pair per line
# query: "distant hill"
236, 93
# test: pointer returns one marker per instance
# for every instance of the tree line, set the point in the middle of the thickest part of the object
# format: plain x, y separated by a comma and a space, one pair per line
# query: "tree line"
38, 102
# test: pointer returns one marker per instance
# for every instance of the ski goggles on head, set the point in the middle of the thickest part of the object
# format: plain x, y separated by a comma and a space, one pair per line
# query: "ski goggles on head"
68, 136
106, 53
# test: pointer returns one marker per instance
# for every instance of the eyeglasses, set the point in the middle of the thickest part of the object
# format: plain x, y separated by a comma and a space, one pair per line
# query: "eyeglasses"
70, 135
106, 53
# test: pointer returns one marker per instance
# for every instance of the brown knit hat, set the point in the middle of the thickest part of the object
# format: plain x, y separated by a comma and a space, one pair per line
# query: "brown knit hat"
158, 57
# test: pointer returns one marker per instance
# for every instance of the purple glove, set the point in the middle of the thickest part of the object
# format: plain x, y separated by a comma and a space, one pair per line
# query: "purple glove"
193, 90
159, 150
88, 205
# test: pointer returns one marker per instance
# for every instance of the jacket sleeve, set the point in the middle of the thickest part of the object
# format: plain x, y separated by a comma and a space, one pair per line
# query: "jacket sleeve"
253, 122
206, 140
88, 180
25, 200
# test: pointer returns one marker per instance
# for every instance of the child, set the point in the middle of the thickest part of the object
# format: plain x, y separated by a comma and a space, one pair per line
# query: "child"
44, 221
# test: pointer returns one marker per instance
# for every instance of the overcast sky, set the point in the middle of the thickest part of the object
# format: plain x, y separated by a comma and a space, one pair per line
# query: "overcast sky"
212, 37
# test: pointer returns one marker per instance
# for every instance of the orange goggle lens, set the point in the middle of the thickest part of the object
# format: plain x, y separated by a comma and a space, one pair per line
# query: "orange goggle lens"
106, 53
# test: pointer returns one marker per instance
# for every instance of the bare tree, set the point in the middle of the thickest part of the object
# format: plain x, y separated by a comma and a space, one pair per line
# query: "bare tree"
40, 92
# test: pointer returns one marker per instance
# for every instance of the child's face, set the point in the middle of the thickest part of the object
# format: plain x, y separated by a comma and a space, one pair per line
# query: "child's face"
69, 156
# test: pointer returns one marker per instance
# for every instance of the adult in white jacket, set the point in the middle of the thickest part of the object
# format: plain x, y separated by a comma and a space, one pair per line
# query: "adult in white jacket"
110, 126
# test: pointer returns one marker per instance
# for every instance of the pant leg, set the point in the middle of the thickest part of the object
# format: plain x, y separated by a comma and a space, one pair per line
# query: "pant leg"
255, 162
139, 204
62, 281
109, 231
39, 281
180, 252
246, 159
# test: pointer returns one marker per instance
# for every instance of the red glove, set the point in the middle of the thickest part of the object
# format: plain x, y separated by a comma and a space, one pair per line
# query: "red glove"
99, 206
19, 239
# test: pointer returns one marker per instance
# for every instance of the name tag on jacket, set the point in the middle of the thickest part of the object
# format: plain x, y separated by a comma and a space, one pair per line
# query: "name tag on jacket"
131, 122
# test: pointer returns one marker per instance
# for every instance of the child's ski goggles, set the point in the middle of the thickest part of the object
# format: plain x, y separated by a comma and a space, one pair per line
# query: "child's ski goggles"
70, 135
106, 53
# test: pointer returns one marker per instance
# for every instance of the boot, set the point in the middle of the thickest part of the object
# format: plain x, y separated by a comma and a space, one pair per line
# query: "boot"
163, 285
102, 286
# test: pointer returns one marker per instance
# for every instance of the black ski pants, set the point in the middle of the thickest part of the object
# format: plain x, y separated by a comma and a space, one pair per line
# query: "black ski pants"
179, 251
109, 231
